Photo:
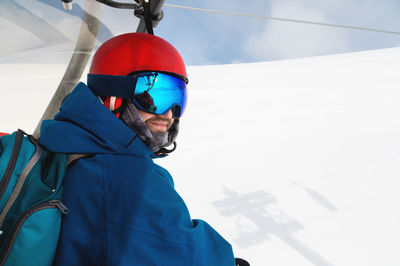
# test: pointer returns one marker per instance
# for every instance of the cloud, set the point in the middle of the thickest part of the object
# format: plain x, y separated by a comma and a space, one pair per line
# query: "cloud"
280, 40
209, 38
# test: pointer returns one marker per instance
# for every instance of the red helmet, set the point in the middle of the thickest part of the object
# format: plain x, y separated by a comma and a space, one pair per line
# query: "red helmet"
137, 52
129, 53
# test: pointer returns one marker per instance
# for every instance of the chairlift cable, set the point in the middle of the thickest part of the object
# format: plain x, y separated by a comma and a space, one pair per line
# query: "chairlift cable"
282, 19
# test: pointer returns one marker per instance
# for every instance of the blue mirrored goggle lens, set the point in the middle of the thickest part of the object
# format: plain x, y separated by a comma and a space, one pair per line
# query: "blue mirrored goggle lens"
157, 93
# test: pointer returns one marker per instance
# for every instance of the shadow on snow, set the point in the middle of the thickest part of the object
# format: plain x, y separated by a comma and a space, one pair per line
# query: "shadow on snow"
267, 219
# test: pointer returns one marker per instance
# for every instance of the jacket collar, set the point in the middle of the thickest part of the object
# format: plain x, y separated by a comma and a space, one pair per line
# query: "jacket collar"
85, 125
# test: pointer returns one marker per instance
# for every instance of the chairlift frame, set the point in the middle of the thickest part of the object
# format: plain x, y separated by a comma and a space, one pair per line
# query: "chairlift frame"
86, 41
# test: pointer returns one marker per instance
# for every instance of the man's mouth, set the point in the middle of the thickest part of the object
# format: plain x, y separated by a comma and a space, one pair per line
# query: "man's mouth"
159, 123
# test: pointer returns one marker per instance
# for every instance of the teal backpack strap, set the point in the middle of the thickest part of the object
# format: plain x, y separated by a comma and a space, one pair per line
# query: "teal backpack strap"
21, 181
73, 157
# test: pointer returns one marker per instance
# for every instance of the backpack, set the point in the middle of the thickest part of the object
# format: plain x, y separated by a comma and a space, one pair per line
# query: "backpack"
31, 208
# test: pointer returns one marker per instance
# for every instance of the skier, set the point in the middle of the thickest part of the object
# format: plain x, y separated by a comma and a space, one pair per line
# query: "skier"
123, 208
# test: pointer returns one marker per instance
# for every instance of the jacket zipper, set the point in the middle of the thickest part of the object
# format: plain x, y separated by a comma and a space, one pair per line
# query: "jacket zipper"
11, 163
51, 204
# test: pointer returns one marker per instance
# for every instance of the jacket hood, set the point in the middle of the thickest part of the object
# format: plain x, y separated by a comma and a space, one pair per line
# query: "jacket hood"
84, 125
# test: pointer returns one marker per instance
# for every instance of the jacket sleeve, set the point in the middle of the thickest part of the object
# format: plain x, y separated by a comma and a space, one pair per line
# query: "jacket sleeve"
149, 224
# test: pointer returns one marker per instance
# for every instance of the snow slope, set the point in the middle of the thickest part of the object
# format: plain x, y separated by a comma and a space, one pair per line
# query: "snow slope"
294, 162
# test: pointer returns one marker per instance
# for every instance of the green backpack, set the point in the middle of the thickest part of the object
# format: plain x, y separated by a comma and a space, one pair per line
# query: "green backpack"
31, 208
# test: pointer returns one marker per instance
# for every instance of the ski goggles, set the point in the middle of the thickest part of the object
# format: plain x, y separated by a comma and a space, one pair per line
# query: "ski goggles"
157, 93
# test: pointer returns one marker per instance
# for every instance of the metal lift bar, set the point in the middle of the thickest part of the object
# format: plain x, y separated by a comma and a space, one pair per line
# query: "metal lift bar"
156, 12
115, 4
156, 6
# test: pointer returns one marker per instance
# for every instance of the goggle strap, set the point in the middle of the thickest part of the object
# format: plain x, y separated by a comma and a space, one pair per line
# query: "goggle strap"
166, 151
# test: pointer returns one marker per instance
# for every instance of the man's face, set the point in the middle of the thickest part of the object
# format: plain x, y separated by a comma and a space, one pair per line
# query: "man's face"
157, 123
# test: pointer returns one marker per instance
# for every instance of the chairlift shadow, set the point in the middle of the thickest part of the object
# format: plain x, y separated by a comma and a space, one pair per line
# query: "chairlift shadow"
318, 197
267, 218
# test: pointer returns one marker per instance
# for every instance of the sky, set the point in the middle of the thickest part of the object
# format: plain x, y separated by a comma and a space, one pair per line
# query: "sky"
207, 38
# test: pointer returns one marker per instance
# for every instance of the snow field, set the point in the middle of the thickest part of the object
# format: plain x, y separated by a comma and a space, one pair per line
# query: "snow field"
294, 162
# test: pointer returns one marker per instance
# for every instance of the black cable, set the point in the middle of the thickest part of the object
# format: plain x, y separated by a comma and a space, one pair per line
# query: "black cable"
283, 19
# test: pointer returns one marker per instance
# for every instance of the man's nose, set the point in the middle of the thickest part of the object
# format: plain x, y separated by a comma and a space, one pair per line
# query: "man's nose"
167, 115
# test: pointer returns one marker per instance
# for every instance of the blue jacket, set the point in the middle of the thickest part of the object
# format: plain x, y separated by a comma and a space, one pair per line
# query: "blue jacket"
123, 208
